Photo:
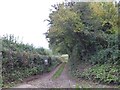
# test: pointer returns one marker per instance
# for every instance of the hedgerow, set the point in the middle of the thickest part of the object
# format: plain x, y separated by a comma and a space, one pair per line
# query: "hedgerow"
20, 61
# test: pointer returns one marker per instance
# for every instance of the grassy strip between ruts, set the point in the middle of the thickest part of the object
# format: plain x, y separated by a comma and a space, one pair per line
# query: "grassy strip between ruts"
59, 71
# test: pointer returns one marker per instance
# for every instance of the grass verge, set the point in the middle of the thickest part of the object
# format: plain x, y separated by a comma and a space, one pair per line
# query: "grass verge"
58, 72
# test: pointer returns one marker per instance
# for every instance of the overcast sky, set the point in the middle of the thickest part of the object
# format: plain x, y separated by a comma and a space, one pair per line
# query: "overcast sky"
25, 18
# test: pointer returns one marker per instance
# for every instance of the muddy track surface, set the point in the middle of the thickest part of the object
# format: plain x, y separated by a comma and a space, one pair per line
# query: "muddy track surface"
64, 81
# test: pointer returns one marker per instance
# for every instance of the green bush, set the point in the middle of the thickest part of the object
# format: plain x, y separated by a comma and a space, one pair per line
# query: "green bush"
106, 73
21, 66
21, 61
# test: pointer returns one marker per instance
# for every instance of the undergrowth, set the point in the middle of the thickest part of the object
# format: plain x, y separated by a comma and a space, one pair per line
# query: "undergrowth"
106, 73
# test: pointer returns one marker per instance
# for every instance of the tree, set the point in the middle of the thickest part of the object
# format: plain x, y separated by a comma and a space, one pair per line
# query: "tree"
78, 29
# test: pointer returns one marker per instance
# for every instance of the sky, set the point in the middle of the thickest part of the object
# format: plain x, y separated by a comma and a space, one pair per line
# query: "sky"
25, 18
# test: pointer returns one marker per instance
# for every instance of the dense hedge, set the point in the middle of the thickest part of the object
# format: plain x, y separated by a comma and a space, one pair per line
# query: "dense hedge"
17, 66
105, 62
20, 61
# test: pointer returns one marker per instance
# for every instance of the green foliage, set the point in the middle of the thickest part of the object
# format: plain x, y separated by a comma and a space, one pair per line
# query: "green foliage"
80, 26
21, 61
86, 31
10, 42
105, 73
111, 54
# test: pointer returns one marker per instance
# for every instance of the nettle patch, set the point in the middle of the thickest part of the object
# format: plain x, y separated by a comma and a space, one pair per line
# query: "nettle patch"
103, 73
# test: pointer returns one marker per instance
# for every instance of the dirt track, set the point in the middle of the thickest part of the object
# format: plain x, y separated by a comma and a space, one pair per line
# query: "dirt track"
64, 81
